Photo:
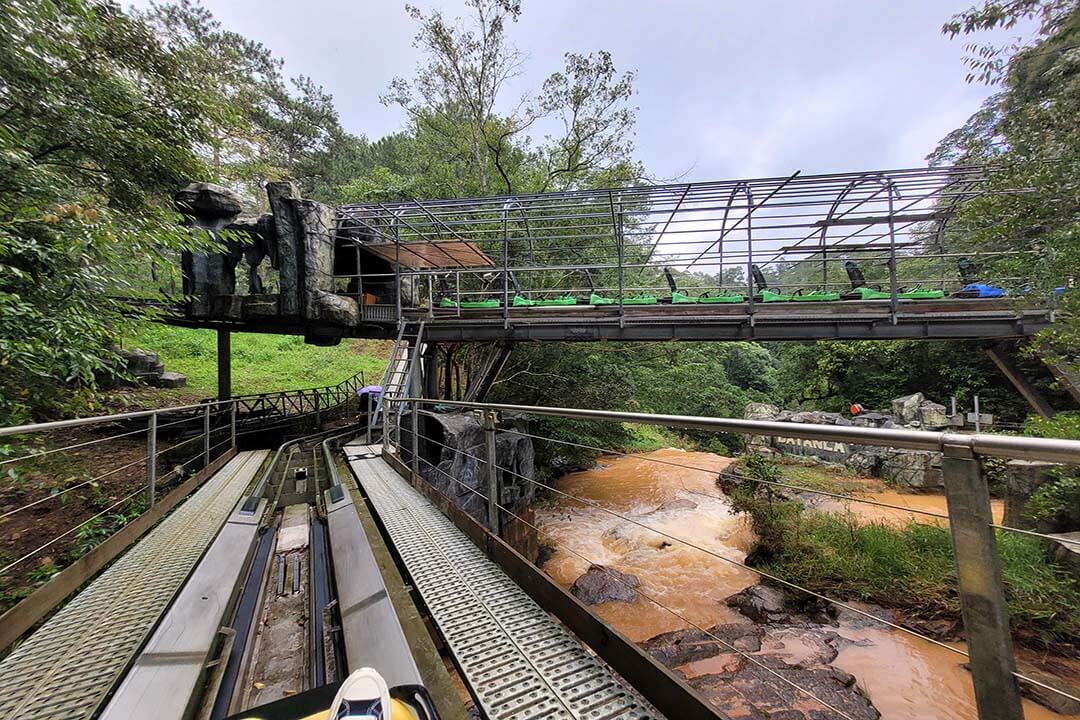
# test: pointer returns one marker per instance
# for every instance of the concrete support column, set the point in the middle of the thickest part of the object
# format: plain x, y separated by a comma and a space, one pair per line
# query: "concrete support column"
224, 364
982, 590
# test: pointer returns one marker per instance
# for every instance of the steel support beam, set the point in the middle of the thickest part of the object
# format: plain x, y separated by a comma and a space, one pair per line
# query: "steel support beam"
224, 364
1001, 355
1068, 379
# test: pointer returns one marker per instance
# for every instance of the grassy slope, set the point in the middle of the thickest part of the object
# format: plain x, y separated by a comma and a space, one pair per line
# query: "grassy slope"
261, 363
910, 567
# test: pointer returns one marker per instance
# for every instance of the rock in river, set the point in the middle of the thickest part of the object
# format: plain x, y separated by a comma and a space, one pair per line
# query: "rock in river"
602, 584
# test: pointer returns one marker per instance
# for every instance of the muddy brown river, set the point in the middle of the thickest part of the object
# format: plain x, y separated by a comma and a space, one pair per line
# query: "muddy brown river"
906, 678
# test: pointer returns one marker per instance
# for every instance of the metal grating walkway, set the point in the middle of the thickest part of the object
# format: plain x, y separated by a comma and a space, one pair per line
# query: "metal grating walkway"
68, 667
519, 661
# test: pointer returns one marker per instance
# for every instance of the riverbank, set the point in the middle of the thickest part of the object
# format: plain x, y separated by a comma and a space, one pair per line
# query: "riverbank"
674, 492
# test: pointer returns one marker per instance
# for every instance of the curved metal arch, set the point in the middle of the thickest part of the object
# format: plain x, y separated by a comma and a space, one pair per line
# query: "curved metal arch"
724, 229
887, 184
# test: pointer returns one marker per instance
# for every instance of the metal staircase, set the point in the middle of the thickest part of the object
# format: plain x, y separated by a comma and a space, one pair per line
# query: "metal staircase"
402, 369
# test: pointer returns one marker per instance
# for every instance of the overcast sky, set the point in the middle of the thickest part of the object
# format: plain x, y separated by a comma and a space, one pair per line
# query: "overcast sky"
725, 89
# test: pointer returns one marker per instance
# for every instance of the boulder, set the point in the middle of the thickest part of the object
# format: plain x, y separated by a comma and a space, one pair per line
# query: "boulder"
762, 604
170, 380
752, 690
208, 202
870, 419
932, 415
1023, 478
761, 411
602, 584
906, 408
452, 461
338, 309
679, 647
916, 469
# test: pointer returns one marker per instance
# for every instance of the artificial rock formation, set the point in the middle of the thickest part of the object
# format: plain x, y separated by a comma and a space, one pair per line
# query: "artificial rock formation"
297, 237
911, 468
452, 450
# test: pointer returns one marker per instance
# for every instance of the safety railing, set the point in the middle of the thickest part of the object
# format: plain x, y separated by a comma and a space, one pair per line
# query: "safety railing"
70, 486
258, 410
974, 533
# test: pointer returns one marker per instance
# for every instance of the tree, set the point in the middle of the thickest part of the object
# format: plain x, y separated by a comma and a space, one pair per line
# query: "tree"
100, 121
241, 70
466, 69
1030, 133
455, 96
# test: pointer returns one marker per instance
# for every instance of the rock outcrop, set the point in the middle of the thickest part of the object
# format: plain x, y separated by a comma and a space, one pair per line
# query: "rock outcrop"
758, 664
601, 584
147, 367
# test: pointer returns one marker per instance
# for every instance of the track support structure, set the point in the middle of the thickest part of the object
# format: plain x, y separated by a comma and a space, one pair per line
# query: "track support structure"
982, 589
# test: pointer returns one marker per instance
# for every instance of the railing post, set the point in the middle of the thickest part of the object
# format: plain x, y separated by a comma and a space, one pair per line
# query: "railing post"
151, 459
232, 424
318, 410
387, 408
414, 390
982, 589
415, 439
206, 435
893, 289
491, 470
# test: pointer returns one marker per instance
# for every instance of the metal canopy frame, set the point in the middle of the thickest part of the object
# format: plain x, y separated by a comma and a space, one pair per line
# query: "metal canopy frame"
711, 233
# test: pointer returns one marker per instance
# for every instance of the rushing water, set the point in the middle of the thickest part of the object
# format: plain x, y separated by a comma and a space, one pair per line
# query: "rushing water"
906, 678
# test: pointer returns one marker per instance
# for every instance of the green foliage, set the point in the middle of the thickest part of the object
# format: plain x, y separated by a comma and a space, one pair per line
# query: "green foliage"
831, 375
99, 120
1057, 501
647, 438
668, 378
261, 363
1031, 133
910, 567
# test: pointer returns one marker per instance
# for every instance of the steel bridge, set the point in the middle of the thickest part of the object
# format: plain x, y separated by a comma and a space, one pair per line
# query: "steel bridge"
868, 255
254, 581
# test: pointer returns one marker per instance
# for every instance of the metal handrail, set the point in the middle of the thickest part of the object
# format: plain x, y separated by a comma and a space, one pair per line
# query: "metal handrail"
135, 414
1025, 448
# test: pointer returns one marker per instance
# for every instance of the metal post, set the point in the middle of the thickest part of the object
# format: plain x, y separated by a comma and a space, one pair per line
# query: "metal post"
397, 269
151, 459
387, 407
232, 424
893, 289
978, 420
206, 435
982, 591
488, 423
415, 390
430, 297
415, 439
224, 364
506, 270
318, 410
